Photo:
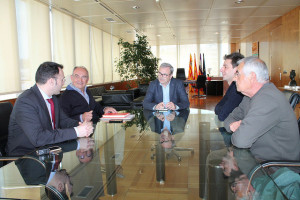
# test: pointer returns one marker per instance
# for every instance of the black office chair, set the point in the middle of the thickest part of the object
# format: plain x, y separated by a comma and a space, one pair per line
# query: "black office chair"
294, 100
5, 110
180, 74
200, 83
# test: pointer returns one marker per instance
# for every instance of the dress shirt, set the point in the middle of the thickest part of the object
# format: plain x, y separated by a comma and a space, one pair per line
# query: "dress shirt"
45, 97
166, 95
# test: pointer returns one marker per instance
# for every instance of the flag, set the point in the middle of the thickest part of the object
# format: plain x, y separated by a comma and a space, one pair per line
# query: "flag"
190, 77
200, 66
195, 68
204, 71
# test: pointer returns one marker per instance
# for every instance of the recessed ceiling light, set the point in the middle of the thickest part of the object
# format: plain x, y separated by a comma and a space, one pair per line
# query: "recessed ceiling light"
135, 7
158, 35
239, 1
224, 22
76, 0
217, 33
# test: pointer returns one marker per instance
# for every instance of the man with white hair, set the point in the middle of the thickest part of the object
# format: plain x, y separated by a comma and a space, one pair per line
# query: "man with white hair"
264, 121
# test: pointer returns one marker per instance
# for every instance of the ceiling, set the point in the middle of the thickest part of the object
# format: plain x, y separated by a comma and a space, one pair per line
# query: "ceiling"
171, 22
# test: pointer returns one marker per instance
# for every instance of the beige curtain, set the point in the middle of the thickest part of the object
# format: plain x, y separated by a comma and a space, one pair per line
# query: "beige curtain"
107, 47
82, 44
10, 77
63, 41
116, 56
97, 72
34, 47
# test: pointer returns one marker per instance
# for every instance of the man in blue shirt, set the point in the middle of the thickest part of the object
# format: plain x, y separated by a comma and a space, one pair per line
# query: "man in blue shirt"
78, 102
166, 92
232, 97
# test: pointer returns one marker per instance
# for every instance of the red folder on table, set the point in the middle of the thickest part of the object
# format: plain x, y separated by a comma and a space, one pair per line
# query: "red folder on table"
116, 115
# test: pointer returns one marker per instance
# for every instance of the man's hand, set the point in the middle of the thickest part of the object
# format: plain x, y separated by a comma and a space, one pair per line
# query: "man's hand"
170, 117
160, 116
235, 125
85, 129
86, 143
171, 106
87, 116
109, 110
160, 106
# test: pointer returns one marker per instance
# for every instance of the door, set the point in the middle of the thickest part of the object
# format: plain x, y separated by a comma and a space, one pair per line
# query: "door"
276, 56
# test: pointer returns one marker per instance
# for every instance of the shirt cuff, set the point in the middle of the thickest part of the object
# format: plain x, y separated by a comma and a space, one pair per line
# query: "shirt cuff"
176, 107
76, 131
81, 118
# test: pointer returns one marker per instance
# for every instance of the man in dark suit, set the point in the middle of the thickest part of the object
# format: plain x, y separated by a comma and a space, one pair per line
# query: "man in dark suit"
166, 92
78, 102
37, 120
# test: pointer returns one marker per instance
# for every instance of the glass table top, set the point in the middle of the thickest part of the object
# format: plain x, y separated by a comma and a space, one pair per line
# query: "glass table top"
168, 155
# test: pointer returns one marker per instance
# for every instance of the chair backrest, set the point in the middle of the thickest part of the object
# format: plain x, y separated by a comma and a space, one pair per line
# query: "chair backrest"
294, 100
201, 80
5, 111
180, 73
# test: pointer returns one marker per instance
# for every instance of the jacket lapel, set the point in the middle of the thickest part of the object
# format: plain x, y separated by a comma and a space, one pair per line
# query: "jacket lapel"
171, 89
38, 94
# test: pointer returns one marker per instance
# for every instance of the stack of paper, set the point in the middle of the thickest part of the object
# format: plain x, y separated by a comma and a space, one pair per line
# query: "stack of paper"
115, 115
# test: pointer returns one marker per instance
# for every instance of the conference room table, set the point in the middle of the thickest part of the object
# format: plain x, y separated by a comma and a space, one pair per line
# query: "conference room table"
136, 160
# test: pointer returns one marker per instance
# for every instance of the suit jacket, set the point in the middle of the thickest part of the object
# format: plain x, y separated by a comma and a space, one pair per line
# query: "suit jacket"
30, 124
74, 104
178, 94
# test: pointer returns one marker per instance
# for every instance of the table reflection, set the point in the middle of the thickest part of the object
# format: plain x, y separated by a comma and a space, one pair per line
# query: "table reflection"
191, 159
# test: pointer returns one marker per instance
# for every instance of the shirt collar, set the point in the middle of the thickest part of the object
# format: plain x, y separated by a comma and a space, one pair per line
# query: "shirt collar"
45, 96
76, 89
167, 84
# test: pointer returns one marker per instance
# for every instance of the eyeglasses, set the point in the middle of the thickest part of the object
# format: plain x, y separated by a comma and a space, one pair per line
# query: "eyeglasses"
163, 75
80, 77
237, 73
62, 80
164, 141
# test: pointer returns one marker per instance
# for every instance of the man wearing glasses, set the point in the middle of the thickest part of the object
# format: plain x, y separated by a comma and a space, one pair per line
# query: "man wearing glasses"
166, 92
264, 121
78, 102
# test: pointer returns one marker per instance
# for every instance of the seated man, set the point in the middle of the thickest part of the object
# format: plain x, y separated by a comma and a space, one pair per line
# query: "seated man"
78, 102
232, 97
37, 120
264, 121
166, 92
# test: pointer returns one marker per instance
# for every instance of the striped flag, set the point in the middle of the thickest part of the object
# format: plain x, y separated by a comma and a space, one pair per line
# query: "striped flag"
195, 68
191, 76
200, 66
204, 71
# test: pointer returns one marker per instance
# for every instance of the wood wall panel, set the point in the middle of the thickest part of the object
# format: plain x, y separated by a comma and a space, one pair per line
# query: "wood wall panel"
290, 45
290, 50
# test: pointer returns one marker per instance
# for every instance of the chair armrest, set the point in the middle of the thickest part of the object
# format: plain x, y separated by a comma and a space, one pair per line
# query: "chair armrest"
9, 158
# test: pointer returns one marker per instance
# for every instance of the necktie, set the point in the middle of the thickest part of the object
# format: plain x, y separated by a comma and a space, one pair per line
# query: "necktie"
52, 111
